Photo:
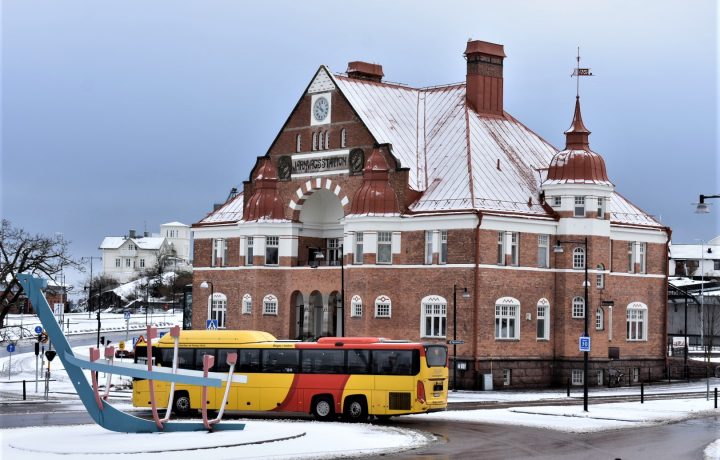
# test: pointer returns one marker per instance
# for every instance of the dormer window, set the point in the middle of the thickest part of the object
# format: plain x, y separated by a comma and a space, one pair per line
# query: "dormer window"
557, 201
600, 208
579, 206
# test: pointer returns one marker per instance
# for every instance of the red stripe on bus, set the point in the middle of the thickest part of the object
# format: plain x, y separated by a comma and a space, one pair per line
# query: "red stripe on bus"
305, 386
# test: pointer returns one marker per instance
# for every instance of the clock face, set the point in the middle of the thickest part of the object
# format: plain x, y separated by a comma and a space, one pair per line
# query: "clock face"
321, 108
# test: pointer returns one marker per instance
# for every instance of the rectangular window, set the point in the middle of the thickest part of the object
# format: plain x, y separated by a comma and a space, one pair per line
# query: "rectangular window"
636, 324
599, 319
543, 251
599, 377
384, 248
333, 248
557, 201
383, 310
117, 263
641, 256
507, 376
443, 247
435, 315
501, 248
505, 321
219, 253
514, 249
356, 308
600, 208
631, 257
247, 305
142, 263
358, 361
270, 307
358, 248
280, 360
271, 250
578, 378
128, 264
250, 251
428, 247
542, 322
716, 265
579, 206
636, 374
578, 307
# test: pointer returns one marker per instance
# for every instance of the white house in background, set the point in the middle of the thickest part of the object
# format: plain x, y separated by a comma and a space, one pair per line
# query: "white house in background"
696, 259
126, 257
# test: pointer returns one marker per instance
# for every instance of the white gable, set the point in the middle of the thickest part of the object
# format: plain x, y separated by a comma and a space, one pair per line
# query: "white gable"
322, 82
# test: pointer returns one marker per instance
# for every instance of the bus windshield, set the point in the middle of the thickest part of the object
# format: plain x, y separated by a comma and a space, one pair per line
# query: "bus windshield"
436, 355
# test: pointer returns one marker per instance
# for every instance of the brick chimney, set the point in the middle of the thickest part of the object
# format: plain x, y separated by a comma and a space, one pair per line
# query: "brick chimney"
365, 71
484, 84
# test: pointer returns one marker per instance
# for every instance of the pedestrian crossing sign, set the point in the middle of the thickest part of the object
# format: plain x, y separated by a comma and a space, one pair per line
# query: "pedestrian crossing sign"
211, 324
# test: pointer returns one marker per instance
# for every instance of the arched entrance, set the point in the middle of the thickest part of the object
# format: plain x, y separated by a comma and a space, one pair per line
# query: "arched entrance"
314, 323
297, 314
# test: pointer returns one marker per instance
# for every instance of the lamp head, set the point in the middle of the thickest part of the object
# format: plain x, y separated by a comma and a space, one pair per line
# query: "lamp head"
558, 248
465, 294
204, 285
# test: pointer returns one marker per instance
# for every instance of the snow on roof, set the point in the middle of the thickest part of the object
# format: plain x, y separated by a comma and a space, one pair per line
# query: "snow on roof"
694, 251
148, 242
112, 242
174, 224
231, 211
623, 212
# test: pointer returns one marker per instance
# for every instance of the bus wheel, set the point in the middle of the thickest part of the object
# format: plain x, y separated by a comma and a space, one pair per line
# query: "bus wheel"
182, 404
322, 408
355, 410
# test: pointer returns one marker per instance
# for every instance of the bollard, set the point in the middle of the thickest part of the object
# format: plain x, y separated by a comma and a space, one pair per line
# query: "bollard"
568, 387
25, 394
642, 393
715, 397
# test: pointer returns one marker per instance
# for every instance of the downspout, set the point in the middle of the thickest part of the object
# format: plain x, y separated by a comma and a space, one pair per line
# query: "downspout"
476, 296
668, 231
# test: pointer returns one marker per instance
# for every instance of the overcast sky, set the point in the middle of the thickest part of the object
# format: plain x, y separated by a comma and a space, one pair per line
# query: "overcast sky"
129, 114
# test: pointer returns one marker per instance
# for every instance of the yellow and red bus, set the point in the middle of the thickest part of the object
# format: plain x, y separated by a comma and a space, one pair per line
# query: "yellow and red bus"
355, 377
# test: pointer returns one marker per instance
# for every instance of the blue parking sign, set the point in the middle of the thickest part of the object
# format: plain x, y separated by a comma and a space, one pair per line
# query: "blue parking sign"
211, 324
584, 343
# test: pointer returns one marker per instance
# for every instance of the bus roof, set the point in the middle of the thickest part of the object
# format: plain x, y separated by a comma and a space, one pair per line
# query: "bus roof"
221, 337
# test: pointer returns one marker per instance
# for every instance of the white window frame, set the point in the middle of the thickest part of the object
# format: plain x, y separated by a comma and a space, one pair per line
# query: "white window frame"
600, 207
636, 374
343, 138
356, 307
383, 307
636, 320
217, 308
247, 304
507, 319
514, 249
272, 242
599, 319
118, 262
577, 377
428, 247
600, 277
250, 251
142, 263
384, 245
578, 258
270, 305
219, 251
327, 140
359, 252
642, 250
543, 314
544, 251
128, 264
443, 253
314, 140
631, 256
501, 248
557, 201
579, 209
298, 143
507, 376
433, 316
578, 307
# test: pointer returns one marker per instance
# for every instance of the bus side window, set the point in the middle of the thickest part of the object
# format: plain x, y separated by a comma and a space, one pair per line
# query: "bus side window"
199, 358
358, 361
285, 360
221, 364
249, 360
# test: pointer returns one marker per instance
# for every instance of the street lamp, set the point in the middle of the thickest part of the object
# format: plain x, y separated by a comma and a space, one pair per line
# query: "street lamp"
702, 207
455, 341
204, 285
558, 249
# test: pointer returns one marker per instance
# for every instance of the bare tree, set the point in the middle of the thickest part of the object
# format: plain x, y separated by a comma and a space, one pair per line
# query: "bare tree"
21, 252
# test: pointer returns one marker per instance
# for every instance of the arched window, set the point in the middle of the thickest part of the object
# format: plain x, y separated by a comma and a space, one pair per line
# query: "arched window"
327, 140
600, 277
543, 319
270, 305
217, 308
356, 307
637, 320
383, 307
599, 319
507, 318
343, 138
433, 316
247, 304
578, 307
578, 258
298, 143
314, 141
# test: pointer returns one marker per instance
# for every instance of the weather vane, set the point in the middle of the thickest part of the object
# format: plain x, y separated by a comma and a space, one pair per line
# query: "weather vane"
580, 72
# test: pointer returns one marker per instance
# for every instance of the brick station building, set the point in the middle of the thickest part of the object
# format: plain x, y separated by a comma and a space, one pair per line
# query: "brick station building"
378, 204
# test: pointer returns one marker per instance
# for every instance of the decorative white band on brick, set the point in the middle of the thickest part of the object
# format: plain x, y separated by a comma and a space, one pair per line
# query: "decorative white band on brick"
328, 184
308, 186
337, 190
299, 193
344, 201
293, 205
318, 182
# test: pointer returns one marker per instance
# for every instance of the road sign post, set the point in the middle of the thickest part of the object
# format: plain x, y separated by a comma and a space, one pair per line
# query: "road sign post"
127, 325
11, 350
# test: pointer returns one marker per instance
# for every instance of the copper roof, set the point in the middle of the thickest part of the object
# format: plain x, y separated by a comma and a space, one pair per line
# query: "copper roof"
265, 202
375, 196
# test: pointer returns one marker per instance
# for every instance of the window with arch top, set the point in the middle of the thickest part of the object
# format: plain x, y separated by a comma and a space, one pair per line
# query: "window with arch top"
433, 316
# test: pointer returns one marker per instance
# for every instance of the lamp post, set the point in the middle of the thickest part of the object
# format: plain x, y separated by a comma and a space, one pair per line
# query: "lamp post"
466, 295
558, 248
702, 207
204, 285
